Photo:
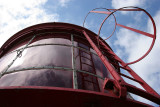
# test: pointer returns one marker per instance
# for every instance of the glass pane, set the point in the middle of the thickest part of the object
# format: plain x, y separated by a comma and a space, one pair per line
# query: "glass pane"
6, 60
43, 77
100, 70
88, 82
40, 56
84, 61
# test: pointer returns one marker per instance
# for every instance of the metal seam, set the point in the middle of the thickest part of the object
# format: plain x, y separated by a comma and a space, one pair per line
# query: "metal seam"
51, 67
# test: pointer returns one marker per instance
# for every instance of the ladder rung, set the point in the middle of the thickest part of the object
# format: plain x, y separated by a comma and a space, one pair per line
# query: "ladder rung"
82, 47
90, 81
86, 58
119, 66
130, 78
85, 52
84, 70
87, 64
112, 58
109, 54
104, 49
93, 72
142, 93
107, 50
101, 46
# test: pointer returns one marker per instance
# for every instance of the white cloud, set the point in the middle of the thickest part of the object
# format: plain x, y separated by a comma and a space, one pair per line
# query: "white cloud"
125, 3
151, 64
134, 45
64, 3
122, 3
18, 14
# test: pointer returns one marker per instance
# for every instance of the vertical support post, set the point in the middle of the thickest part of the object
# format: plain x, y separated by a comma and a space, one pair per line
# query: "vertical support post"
75, 85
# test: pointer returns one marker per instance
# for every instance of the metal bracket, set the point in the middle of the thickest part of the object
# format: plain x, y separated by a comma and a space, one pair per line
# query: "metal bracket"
113, 87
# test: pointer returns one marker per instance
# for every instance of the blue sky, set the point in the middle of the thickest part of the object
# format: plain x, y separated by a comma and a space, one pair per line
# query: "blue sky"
16, 15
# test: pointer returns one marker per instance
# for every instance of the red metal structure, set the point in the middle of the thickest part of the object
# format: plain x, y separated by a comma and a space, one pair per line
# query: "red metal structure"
67, 65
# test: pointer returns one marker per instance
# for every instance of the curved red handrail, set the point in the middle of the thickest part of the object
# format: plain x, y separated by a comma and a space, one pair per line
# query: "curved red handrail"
135, 30
103, 13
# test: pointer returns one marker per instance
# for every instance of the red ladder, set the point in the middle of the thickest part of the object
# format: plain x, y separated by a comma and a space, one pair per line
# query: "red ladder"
118, 81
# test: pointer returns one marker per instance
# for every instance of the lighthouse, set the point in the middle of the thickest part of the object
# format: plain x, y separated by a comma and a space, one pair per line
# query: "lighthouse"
62, 64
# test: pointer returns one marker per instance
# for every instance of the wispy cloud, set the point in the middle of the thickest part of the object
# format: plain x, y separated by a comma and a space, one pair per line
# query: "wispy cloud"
132, 45
151, 65
64, 3
122, 3
18, 14
125, 3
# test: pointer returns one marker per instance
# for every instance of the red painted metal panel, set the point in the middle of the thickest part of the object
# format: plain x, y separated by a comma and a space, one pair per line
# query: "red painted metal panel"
53, 96
143, 93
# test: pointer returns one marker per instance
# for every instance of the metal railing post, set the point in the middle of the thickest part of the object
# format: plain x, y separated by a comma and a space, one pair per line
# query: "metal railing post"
75, 84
